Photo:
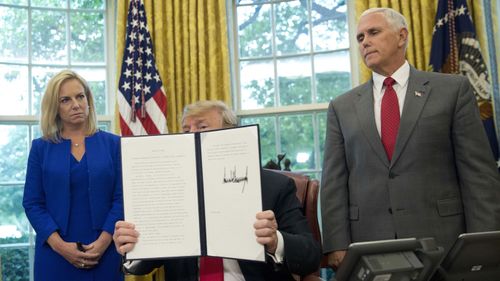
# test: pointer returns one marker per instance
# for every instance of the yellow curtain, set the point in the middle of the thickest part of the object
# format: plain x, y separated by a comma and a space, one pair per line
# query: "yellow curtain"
496, 30
191, 50
496, 41
420, 16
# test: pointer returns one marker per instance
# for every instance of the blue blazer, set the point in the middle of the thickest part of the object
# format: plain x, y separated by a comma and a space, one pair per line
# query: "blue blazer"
47, 189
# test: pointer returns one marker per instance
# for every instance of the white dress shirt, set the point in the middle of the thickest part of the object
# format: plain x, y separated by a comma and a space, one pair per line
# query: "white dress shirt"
400, 86
232, 271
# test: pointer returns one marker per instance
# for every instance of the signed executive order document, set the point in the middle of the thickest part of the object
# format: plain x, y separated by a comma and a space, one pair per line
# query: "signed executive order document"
193, 194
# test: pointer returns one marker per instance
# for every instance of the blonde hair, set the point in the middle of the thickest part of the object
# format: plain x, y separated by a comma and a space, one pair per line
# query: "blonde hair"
195, 109
50, 122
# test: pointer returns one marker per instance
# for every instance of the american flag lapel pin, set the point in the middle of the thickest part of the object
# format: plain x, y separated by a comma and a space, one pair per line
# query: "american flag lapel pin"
418, 94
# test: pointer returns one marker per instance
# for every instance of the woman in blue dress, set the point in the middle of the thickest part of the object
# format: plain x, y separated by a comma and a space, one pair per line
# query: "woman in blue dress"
73, 191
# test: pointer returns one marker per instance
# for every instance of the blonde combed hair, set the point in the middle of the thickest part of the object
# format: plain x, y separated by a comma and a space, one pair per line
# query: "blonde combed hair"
198, 108
50, 122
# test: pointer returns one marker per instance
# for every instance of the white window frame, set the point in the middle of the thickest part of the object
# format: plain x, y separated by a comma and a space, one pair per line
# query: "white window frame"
110, 63
277, 111
30, 120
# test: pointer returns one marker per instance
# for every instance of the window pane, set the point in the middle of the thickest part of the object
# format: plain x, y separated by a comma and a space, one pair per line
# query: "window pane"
257, 84
333, 76
96, 78
49, 37
292, 28
254, 31
329, 19
15, 263
87, 4
35, 131
321, 135
267, 130
34, 37
15, 2
251, 1
87, 37
13, 221
13, 90
105, 126
50, 3
297, 140
41, 76
13, 34
294, 77
14, 151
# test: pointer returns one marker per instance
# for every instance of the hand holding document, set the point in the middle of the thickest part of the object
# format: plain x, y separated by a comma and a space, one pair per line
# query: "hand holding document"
194, 194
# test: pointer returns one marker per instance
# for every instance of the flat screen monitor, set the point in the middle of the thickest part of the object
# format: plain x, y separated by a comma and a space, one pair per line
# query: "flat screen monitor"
389, 260
473, 257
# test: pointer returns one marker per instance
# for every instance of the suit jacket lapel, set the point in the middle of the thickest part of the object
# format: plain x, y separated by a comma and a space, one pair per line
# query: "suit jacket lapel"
366, 115
416, 96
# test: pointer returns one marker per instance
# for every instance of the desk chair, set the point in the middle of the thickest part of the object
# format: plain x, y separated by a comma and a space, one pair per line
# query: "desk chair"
307, 193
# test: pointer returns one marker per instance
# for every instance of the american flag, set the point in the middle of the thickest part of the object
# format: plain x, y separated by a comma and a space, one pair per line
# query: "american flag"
455, 49
141, 100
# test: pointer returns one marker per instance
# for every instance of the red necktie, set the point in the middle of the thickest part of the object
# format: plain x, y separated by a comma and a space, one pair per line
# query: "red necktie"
389, 117
211, 269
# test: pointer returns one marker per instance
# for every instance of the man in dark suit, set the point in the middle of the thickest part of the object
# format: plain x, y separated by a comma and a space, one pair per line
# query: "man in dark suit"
282, 228
407, 156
